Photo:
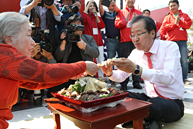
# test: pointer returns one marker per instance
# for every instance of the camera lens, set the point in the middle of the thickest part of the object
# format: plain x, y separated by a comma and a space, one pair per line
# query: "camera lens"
73, 8
49, 2
48, 47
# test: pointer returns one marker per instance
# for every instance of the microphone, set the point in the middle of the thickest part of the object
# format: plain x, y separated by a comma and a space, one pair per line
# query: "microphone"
94, 13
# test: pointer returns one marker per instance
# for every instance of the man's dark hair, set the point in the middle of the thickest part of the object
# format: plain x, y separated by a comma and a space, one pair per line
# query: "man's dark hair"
149, 23
175, 1
94, 5
146, 10
73, 18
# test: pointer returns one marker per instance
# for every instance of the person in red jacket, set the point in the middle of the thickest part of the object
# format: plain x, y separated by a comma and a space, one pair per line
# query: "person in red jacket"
93, 25
174, 26
18, 69
122, 22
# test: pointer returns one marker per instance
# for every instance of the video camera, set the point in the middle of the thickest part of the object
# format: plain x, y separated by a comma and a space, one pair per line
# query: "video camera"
47, 2
69, 29
45, 42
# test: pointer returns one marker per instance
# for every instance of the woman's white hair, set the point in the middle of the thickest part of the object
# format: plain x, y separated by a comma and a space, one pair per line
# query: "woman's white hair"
11, 24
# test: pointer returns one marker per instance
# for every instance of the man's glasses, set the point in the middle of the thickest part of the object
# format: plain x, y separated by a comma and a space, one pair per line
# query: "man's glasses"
132, 36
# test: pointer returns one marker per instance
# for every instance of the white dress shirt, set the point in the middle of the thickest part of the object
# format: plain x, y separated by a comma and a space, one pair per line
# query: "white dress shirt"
166, 74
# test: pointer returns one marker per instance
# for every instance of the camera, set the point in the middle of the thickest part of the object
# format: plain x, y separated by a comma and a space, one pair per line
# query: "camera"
73, 8
69, 29
45, 42
47, 2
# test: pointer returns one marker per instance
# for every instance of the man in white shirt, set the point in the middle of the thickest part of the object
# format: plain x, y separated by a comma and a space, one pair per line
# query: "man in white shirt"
161, 72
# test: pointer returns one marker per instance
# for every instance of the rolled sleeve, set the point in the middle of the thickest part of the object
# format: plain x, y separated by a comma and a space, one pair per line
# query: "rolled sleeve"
52, 61
58, 18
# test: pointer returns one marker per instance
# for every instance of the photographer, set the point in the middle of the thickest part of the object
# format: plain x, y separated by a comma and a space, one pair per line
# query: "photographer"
69, 9
46, 57
43, 14
69, 52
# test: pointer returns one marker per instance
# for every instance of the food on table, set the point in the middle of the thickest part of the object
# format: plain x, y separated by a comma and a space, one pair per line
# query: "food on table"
88, 88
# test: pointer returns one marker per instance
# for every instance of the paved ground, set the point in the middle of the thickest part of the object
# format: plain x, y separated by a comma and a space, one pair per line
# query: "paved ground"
27, 116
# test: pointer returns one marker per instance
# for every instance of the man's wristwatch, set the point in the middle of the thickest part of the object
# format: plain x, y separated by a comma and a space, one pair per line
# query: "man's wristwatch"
137, 70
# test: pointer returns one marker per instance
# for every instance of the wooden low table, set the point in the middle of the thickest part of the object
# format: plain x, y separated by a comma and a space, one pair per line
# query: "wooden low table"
105, 118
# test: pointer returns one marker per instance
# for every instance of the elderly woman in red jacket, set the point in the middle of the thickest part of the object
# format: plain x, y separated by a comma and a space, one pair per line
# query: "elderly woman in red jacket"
17, 69
93, 25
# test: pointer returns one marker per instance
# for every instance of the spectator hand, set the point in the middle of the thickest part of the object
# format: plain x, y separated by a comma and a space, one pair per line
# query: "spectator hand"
63, 35
127, 19
91, 68
138, 8
113, 3
68, 9
36, 49
46, 54
134, 15
177, 20
81, 44
125, 65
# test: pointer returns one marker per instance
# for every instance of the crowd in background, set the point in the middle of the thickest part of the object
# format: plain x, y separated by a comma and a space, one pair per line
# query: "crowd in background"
54, 27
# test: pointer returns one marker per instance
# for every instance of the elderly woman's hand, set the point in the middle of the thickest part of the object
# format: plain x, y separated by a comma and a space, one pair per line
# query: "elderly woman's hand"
91, 68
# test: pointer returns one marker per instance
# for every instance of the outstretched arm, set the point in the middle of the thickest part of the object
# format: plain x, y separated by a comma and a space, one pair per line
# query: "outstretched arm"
101, 10
115, 6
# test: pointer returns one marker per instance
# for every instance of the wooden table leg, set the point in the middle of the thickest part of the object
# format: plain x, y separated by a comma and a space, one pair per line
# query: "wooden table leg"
56, 118
138, 124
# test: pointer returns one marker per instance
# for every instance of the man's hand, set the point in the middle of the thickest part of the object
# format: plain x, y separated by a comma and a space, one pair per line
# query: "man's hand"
63, 35
113, 3
53, 8
36, 2
106, 67
81, 44
68, 9
36, 49
127, 19
125, 65
91, 68
177, 20
134, 15
63, 43
46, 54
